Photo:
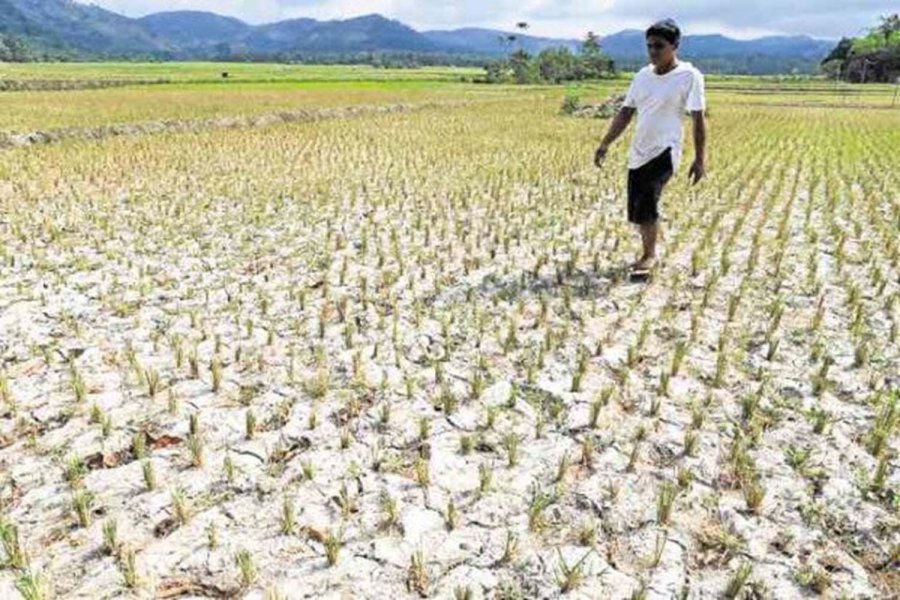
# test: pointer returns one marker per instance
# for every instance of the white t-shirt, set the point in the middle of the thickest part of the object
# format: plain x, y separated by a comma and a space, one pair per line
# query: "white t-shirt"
661, 101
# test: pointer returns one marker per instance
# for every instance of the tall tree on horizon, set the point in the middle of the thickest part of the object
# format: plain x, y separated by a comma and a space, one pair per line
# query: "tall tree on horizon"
889, 25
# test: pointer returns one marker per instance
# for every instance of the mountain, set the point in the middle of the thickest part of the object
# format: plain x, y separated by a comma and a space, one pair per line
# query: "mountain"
87, 31
367, 33
202, 32
492, 41
192, 29
801, 46
280, 36
629, 45
63, 25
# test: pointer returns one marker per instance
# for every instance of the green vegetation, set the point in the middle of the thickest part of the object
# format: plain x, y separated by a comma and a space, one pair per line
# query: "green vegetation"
874, 57
553, 65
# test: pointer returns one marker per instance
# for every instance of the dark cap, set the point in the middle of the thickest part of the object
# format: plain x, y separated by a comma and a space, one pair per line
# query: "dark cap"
666, 29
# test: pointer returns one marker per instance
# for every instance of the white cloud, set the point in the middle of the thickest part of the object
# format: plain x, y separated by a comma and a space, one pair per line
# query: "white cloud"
748, 18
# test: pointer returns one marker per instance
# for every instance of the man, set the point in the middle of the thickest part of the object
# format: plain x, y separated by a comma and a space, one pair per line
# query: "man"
660, 93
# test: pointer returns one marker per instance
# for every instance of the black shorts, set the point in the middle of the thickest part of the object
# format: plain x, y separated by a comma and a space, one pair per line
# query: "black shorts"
645, 184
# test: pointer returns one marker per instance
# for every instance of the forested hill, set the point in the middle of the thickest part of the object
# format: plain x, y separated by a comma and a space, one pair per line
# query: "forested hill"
51, 29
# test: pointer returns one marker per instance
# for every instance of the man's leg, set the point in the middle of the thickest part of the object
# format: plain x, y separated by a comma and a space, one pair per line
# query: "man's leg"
649, 233
645, 187
641, 212
649, 228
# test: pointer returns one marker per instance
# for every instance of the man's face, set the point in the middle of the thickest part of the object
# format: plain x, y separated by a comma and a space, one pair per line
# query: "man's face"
660, 50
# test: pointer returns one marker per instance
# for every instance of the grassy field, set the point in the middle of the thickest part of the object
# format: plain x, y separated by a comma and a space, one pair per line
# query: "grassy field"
42, 110
196, 72
195, 91
396, 355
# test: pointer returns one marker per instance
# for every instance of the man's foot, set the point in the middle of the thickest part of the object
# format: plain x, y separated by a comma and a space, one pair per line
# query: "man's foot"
644, 264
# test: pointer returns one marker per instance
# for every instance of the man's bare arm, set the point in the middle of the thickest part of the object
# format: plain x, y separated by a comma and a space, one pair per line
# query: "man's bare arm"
616, 128
698, 169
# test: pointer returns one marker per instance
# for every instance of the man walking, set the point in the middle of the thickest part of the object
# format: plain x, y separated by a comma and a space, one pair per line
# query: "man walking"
660, 93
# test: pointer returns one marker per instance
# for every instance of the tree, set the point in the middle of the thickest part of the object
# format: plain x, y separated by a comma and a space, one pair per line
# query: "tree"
507, 39
591, 44
890, 24
595, 63
553, 65
557, 65
833, 69
841, 51
874, 57
834, 66
13, 49
522, 68
497, 72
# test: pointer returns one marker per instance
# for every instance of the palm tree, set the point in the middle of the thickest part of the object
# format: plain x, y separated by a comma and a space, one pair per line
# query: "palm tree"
521, 26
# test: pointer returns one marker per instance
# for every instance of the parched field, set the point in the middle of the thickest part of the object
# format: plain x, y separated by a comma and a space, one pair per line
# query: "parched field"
393, 353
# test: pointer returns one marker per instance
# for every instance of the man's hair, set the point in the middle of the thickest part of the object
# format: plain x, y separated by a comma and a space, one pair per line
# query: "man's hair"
666, 29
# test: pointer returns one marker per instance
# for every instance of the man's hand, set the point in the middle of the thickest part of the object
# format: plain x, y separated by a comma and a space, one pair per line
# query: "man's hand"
600, 155
697, 172
618, 125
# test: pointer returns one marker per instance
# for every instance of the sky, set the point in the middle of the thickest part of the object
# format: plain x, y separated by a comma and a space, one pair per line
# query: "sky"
828, 19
